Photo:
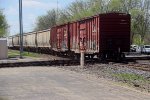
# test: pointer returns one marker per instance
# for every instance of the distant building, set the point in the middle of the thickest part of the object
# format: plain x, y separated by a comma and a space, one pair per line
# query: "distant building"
3, 48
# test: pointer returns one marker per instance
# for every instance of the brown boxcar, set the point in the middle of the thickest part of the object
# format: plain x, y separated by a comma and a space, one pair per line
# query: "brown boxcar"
115, 32
84, 35
101, 34
73, 33
59, 38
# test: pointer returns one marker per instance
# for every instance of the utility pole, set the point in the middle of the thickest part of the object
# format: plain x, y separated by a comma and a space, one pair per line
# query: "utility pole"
21, 28
57, 7
57, 14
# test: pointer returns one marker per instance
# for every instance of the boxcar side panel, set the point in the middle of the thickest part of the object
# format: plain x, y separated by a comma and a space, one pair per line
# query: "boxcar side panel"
73, 30
25, 40
43, 38
115, 32
85, 35
16, 40
92, 31
10, 41
59, 38
53, 39
30, 39
62, 37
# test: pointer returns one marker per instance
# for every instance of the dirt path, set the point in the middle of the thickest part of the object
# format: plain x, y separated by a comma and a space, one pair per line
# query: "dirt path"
50, 83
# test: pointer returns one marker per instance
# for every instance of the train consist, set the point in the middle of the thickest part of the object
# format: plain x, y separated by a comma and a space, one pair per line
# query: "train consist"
104, 35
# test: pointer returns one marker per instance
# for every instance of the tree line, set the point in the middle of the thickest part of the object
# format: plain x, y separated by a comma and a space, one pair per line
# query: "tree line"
139, 10
3, 25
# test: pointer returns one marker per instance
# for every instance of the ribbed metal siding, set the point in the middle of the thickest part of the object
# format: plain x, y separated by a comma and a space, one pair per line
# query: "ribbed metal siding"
115, 32
29, 39
43, 38
91, 29
59, 38
16, 40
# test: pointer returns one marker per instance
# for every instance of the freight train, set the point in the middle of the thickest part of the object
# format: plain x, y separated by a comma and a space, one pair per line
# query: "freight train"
103, 35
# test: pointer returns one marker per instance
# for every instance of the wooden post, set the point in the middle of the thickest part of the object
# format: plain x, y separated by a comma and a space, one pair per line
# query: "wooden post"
82, 59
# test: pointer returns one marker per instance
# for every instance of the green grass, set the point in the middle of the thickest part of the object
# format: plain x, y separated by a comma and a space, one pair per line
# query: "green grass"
15, 53
134, 80
131, 77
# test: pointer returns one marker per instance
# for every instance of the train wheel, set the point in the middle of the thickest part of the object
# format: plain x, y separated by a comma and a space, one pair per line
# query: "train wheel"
102, 57
92, 56
120, 57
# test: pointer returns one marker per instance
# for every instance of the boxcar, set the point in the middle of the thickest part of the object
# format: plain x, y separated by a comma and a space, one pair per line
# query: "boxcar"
114, 33
60, 38
74, 41
84, 35
104, 34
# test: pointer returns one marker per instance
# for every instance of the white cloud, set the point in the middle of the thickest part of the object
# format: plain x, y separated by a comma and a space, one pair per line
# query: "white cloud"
32, 19
31, 9
11, 11
39, 4
14, 27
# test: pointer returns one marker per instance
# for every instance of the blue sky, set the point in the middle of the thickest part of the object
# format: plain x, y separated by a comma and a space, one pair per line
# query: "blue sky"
31, 10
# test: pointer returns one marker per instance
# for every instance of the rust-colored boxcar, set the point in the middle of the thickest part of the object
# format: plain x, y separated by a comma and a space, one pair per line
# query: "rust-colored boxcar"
101, 34
73, 34
115, 32
84, 35
59, 38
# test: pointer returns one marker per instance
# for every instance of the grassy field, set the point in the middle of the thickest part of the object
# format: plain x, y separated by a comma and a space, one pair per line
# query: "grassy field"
15, 53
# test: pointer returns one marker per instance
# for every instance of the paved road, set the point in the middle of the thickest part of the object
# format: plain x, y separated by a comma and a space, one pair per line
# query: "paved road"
49, 83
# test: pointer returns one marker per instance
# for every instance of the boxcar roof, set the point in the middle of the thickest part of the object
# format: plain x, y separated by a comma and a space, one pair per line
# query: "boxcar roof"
28, 33
86, 18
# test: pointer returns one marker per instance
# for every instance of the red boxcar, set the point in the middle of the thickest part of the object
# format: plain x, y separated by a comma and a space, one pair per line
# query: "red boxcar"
59, 38
97, 35
115, 32
84, 35
104, 33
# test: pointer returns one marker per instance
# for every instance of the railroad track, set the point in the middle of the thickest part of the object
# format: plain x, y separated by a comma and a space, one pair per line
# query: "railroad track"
45, 63
40, 63
143, 67
71, 62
